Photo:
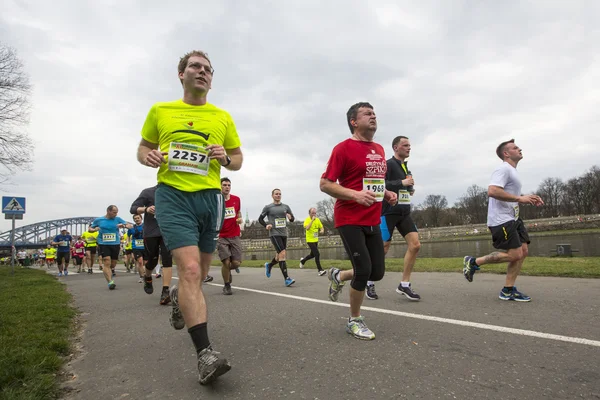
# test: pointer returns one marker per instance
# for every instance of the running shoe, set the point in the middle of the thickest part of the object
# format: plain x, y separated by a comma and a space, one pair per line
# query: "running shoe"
301, 262
60, 274
371, 293
407, 291
335, 286
268, 270
176, 317
322, 272
164, 298
208, 279
237, 270
289, 281
211, 365
90, 271
148, 288
66, 272
357, 328
141, 280
158, 275
469, 268
111, 285
227, 290
514, 295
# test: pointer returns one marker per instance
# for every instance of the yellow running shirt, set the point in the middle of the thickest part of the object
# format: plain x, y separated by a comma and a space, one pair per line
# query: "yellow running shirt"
127, 244
50, 253
312, 234
183, 131
89, 238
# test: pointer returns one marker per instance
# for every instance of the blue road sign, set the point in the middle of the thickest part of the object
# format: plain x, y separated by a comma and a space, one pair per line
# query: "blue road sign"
13, 205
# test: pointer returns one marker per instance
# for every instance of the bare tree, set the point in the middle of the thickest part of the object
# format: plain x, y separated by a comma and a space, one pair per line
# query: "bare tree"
472, 207
551, 190
325, 212
433, 208
16, 148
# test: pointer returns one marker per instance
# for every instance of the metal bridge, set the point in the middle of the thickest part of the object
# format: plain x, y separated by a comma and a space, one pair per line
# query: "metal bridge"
38, 235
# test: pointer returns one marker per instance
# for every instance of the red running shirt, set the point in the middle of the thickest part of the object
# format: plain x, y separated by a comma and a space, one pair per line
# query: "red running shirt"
230, 226
357, 165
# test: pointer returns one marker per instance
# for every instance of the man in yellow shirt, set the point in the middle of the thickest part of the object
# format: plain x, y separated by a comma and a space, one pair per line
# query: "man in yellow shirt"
313, 227
50, 253
189, 140
90, 239
128, 253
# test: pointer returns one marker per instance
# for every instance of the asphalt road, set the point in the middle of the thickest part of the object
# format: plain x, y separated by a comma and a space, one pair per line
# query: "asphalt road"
291, 343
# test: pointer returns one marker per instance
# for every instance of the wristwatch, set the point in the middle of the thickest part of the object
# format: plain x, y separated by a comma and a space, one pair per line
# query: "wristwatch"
228, 161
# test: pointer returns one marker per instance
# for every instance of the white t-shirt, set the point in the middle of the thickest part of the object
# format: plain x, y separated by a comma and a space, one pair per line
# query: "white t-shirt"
22, 254
500, 212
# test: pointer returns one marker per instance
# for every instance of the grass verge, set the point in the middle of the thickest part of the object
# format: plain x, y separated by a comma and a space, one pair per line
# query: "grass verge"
36, 321
572, 267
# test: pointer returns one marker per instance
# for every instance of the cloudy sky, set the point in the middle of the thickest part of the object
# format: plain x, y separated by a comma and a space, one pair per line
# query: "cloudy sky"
457, 77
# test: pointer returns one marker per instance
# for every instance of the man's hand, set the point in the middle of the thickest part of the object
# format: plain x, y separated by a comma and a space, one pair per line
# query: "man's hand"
390, 197
269, 226
217, 152
409, 181
288, 216
365, 197
155, 158
151, 210
532, 199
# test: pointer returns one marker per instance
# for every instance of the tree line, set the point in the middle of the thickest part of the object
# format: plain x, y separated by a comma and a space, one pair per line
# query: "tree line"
576, 196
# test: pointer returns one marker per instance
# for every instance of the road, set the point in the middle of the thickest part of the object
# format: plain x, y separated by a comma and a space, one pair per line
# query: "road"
459, 342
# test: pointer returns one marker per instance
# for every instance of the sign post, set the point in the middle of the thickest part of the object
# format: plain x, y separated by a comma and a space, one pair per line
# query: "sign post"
13, 208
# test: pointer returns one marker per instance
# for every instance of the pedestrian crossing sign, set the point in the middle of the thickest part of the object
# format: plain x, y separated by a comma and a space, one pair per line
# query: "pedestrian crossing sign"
13, 205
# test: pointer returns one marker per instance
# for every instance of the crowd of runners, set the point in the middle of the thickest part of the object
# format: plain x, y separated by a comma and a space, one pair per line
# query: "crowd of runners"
191, 213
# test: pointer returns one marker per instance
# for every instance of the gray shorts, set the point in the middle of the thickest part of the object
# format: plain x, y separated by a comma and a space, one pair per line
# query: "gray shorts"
230, 247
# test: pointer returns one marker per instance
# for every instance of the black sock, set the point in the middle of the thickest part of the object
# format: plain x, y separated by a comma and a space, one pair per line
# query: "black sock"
199, 334
165, 288
273, 262
283, 266
473, 262
227, 283
507, 289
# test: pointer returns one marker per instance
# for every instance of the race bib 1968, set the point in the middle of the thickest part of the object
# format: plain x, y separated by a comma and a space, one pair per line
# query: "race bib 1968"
109, 237
279, 222
375, 185
229, 212
403, 197
188, 158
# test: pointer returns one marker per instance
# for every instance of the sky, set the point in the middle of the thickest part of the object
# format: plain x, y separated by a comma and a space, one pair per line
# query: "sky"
456, 77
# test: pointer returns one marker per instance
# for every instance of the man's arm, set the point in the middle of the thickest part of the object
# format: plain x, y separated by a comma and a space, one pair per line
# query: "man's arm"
307, 227
237, 158
261, 219
149, 155
499, 193
139, 205
334, 189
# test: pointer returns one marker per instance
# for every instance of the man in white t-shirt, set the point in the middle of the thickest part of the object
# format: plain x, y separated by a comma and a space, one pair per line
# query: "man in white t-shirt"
508, 230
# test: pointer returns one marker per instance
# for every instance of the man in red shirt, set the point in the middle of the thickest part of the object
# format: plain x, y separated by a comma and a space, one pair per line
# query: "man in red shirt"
355, 176
229, 245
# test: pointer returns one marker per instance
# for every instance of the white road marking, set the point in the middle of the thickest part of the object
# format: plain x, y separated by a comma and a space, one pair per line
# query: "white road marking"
469, 324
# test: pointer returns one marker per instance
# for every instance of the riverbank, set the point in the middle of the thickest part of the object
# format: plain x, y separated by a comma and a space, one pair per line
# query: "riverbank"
567, 267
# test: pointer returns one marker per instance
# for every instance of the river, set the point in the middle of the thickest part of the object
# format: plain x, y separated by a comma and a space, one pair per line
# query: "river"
585, 245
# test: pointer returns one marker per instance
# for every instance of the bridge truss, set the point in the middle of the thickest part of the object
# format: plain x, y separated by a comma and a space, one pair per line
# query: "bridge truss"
41, 233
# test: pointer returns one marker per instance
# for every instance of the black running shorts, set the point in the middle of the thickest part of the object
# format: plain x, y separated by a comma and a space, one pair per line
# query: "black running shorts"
510, 235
